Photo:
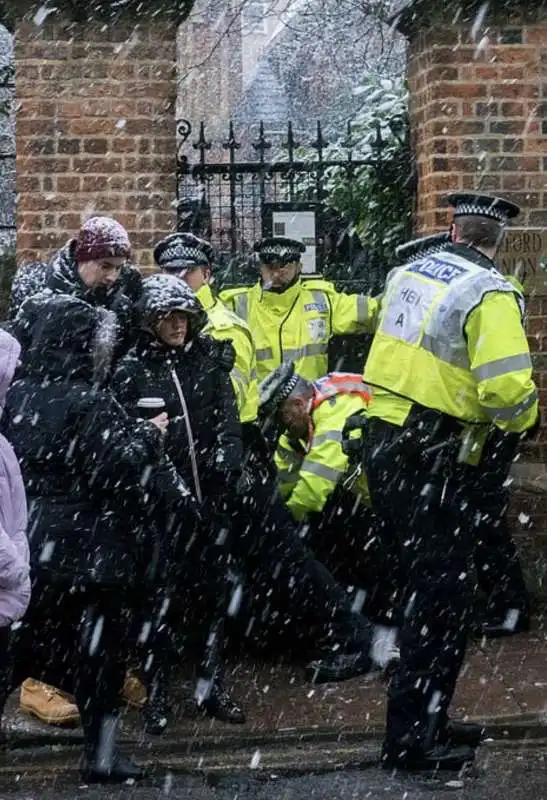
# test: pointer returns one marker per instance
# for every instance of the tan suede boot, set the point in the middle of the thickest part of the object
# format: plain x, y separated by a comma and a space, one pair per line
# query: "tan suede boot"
48, 704
134, 692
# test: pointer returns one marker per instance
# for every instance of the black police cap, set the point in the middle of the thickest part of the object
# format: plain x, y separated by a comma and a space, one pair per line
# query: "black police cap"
483, 205
279, 248
183, 251
277, 387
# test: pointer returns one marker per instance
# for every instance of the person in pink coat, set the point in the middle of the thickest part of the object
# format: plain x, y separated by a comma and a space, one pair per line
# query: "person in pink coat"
14, 549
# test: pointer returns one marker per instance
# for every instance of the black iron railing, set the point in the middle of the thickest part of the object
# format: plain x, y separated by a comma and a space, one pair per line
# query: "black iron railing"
235, 192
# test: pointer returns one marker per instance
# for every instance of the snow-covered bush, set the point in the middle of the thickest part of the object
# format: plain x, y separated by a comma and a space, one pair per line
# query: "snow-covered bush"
377, 199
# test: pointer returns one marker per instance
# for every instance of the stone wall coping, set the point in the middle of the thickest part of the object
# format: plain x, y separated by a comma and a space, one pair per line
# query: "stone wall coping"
81, 11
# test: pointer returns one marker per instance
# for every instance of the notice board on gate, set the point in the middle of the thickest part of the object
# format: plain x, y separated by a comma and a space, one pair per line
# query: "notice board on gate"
297, 221
524, 255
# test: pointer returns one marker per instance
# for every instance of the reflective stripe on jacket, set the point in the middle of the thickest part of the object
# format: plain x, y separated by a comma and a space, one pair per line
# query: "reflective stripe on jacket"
223, 325
297, 324
450, 337
309, 472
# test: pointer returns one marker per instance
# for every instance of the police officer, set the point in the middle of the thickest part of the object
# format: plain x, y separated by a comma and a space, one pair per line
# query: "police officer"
322, 489
443, 370
499, 573
191, 259
293, 318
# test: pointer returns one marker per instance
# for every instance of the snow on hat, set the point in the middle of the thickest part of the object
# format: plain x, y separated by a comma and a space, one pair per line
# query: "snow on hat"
101, 237
162, 294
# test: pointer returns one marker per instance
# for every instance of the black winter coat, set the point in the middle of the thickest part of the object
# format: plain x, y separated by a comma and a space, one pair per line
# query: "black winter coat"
202, 368
82, 457
61, 277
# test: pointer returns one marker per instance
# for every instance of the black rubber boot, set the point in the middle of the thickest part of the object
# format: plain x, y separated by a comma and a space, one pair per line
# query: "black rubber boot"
439, 757
221, 706
337, 666
118, 770
101, 761
461, 733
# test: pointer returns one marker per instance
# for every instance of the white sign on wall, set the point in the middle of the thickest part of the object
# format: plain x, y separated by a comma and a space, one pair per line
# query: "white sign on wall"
298, 225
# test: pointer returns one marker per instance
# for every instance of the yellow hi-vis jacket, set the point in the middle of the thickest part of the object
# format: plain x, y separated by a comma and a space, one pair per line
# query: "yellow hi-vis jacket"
224, 324
298, 323
308, 472
450, 337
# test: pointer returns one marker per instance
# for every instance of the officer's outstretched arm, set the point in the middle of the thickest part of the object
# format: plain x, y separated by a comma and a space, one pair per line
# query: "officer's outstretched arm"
500, 363
354, 313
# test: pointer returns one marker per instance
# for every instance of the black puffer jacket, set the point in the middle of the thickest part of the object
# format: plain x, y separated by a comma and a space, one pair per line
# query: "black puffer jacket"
203, 372
61, 277
82, 457
200, 371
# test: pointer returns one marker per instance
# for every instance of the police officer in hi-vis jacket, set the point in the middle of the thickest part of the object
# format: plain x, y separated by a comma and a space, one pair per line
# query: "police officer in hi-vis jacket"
449, 359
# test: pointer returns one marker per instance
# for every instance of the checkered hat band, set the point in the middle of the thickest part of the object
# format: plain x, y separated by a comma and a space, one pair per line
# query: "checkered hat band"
468, 209
176, 255
287, 389
280, 251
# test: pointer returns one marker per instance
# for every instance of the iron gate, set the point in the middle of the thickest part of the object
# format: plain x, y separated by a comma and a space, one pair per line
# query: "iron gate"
233, 192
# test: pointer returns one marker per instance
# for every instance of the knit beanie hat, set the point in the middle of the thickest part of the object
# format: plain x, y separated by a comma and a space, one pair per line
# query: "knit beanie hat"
101, 237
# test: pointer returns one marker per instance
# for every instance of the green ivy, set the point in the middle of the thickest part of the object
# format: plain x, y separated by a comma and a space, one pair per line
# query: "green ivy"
377, 199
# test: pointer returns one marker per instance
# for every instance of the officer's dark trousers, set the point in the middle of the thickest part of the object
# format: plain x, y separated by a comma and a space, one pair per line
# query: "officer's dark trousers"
499, 574
349, 539
291, 600
185, 616
427, 510
76, 640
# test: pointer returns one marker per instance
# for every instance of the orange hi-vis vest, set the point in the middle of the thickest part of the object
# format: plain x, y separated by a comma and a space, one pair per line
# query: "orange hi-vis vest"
340, 383
308, 476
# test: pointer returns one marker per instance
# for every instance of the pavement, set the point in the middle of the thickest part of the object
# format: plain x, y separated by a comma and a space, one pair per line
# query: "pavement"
294, 727
508, 773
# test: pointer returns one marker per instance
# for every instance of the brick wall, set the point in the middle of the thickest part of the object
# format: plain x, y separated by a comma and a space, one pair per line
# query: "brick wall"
95, 130
478, 115
479, 123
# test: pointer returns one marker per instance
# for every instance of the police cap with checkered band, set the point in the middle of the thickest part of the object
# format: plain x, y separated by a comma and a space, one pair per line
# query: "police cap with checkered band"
180, 251
277, 387
483, 205
279, 250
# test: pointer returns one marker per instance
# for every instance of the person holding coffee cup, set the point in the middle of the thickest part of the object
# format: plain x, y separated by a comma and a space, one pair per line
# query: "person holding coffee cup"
173, 360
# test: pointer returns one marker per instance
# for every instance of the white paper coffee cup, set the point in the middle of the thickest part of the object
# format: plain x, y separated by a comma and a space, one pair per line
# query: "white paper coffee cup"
150, 407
